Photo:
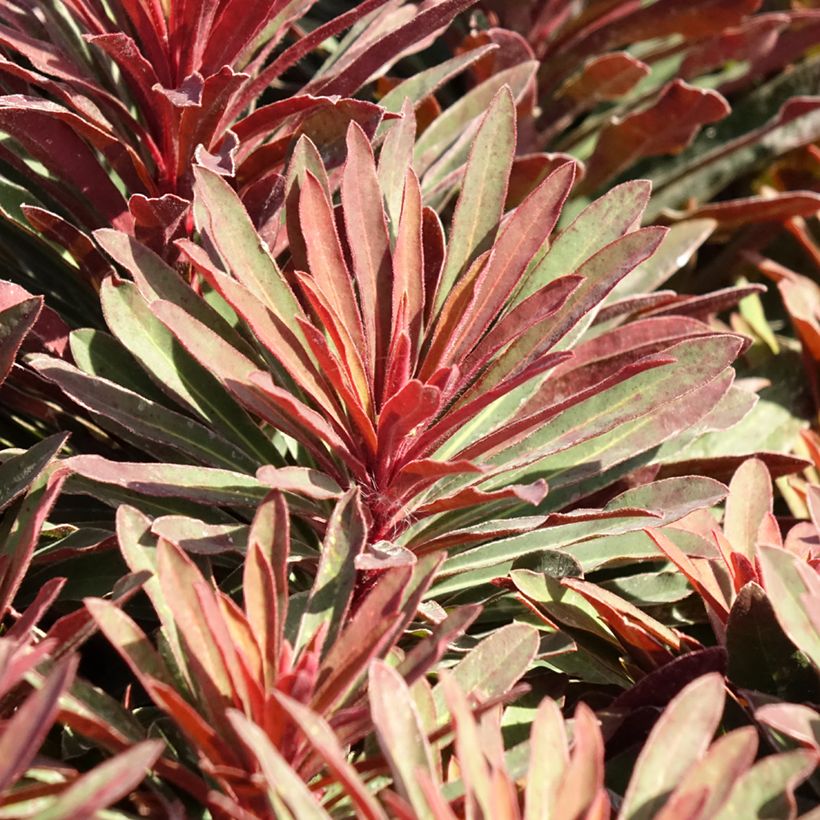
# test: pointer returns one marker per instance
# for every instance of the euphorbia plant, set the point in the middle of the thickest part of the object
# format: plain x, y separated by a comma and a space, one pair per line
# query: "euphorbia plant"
415, 368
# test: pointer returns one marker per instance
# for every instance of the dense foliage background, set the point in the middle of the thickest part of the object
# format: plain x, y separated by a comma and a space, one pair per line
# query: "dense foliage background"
409, 409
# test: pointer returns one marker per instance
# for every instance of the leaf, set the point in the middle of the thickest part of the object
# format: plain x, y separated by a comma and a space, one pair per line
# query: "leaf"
787, 587
675, 744
483, 193
279, 777
750, 499
711, 778
761, 657
549, 757
330, 597
400, 734
141, 417
106, 784
207, 485
797, 722
496, 664
766, 790
24, 733
321, 737
665, 127
18, 472
16, 320
606, 77
177, 373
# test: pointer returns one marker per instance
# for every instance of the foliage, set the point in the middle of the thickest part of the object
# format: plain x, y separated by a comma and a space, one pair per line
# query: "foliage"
368, 452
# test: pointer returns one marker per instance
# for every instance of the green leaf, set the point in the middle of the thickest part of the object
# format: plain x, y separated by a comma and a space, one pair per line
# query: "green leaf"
495, 665
173, 368
329, 601
142, 418
18, 472
106, 784
483, 193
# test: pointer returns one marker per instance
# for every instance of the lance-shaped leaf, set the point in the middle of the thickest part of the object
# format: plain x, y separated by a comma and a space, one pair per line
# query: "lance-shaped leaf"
676, 743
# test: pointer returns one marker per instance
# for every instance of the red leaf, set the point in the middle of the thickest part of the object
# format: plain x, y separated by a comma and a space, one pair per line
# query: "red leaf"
665, 127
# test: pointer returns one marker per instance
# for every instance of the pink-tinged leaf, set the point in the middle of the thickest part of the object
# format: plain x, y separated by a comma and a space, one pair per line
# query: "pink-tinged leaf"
601, 273
106, 784
519, 240
473, 766
326, 127
39, 128
158, 221
676, 743
426, 653
409, 293
327, 262
395, 160
434, 250
92, 263
400, 732
751, 40
130, 641
583, 776
139, 72
19, 543
798, 722
789, 584
708, 782
45, 597
318, 733
665, 127
705, 585
226, 222
272, 330
361, 639
263, 200
279, 777
768, 787
24, 733
605, 78
750, 499
195, 536
264, 120
549, 757
201, 128
429, 19
532, 494
285, 406
348, 378
265, 581
695, 20
369, 243
300, 481
530, 170
18, 313
496, 664
206, 484
647, 639
483, 193
330, 598
415, 404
